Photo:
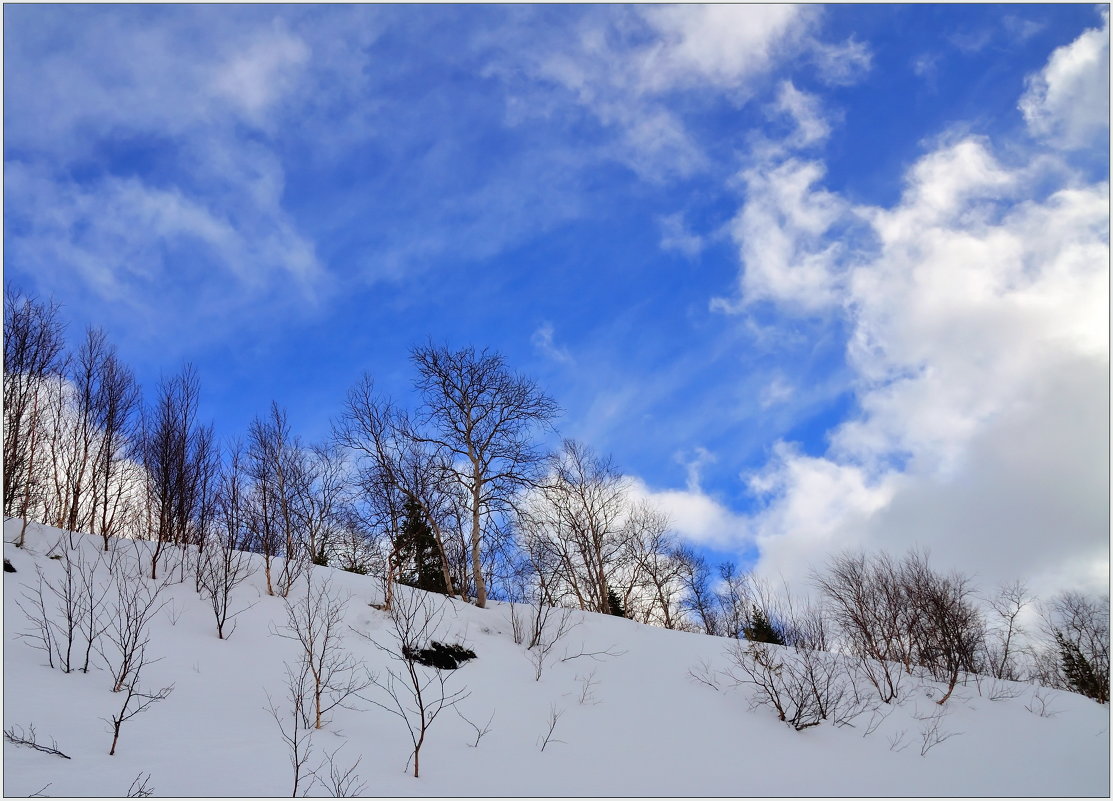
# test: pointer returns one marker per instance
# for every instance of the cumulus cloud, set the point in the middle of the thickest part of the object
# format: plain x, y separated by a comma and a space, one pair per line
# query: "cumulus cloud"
718, 45
1067, 102
979, 320
979, 345
695, 516
783, 233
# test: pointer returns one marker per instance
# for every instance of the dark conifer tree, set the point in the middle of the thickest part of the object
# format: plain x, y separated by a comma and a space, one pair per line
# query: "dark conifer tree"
759, 629
1081, 675
614, 603
419, 562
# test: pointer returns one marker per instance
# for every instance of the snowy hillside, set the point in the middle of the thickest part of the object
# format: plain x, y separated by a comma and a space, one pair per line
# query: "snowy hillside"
629, 717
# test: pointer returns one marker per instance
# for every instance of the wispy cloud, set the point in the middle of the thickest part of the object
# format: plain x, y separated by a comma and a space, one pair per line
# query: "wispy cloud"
676, 236
542, 340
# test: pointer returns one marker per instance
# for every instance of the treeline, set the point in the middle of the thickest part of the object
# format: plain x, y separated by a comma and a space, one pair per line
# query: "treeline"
456, 494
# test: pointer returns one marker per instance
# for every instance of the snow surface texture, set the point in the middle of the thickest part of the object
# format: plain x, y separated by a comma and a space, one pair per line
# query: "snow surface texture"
630, 723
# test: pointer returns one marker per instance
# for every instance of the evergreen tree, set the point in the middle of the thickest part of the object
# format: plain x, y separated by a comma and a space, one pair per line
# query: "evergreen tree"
419, 561
614, 603
759, 629
1081, 675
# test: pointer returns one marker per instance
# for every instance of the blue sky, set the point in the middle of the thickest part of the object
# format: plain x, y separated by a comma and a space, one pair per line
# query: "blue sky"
817, 277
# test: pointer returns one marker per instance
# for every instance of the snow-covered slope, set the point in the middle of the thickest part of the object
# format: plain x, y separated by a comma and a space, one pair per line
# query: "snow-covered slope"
630, 722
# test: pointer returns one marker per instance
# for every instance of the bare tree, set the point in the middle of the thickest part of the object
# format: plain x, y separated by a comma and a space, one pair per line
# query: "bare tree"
116, 405
574, 523
871, 609
134, 603
135, 700
224, 564
948, 627
276, 465
316, 623
318, 496
698, 597
394, 468
413, 691
1077, 627
33, 353
1007, 604
483, 416
180, 460
295, 730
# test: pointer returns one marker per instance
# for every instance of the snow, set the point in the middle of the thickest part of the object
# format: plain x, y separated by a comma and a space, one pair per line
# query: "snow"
647, 728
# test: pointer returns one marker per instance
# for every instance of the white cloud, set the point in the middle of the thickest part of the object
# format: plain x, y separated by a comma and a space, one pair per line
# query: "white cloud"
542, 339
806, 112
979, 322
695, 516
776, 392
257, 76
625, 64
676, 236
1067, 102
842, 64
783, 236
720, 45
979, 340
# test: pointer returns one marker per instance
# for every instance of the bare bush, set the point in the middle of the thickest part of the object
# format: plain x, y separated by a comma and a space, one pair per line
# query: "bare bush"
803, 686
705, 674
546, 738
1040, 703
139, 787
548, 626
293, 721
414, 692
480, 731
135, 601
337, 781
932, 732
135, 699
224, 566
67, 614
17, 735
316, 623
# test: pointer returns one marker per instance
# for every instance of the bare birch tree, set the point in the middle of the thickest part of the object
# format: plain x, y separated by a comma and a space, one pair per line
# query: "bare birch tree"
33, 352
483, 416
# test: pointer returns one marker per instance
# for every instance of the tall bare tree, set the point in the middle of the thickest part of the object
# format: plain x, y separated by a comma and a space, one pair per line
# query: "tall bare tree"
392, 468
483, 417
180, 459
578, 517
33, 352
116, 405
276, 465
